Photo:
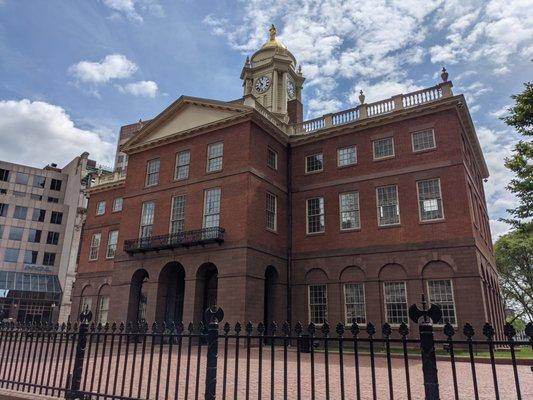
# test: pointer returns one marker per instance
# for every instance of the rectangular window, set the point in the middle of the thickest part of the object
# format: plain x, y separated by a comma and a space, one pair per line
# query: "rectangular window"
11, 255
103, 309
56, 217
441, 294
215, 153
346, 156
15, 233
3, 210
383, 148
395, 303
388, 207
3, 191
177, 217
49, 259
314, 163
18, 194
38, 215
152, 172
211, 208
183, 160
354, 302
100, 208
55, 184
52, 238
429, 200
1, 231
118, 203
112, 240
318, 304
95, 246
315, 215
39, 181
272, 158
423, 140
34, 236
271, 212
30, 257
349, 211
35, 196
22, 178
4, 175
147, 219
20, 212
52, 199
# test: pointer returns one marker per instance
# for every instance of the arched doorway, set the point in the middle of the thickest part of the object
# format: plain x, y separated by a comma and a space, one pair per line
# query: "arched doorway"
271, 280
138, 299
206, 289
170, 292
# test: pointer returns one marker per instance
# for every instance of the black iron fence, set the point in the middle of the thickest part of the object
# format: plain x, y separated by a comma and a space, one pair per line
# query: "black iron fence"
135, 361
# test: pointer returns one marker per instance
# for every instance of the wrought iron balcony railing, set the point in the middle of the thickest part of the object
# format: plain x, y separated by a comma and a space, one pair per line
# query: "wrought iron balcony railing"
199, 237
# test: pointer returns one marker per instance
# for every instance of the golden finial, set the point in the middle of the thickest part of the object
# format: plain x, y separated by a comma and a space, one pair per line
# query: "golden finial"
273, 32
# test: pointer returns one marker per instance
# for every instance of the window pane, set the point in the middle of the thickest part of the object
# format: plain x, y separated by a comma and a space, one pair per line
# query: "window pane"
388, 208
177, 218
441, 293
15, 233
38, 215
314, 163
183, 160
3, 209
118, 204
215, 153
95, 246
112, 244
55, 184
11, 255
354, 300
22, 178
147, 219
396, 302
318, 304
383, 147
315, 215
152, 175
39, 181
346, 156
423, 140
429, 200
100, 208
271, 212
4, 175
49, 259
211, 208
20, 212
272, 159
349, 211
30, 257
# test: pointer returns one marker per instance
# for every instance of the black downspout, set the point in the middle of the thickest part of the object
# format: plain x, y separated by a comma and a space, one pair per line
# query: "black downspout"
289, 233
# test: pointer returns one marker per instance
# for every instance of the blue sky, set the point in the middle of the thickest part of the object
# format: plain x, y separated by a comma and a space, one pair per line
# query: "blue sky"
72, 72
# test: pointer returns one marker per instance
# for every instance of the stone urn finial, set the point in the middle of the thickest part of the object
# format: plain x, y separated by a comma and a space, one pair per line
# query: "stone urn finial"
247, 63
444, 75
300, 69
361, 97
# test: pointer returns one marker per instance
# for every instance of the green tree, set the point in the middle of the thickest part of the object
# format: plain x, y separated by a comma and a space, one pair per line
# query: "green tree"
514, 259
521, 162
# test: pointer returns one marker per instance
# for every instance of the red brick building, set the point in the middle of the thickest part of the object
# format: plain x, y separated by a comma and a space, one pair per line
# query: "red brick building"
350, 216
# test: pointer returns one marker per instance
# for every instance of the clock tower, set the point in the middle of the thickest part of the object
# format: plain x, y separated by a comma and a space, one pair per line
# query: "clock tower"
270, 75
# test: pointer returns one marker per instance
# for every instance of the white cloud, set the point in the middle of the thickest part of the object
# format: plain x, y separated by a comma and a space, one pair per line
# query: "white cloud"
113, 66
382, 90
141, 88
133, 9
38, 133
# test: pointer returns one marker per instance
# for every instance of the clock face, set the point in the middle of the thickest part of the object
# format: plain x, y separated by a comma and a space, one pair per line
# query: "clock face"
262, 84
290, 90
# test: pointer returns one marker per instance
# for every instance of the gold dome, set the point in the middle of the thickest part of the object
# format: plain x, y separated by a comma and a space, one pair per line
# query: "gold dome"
273, 42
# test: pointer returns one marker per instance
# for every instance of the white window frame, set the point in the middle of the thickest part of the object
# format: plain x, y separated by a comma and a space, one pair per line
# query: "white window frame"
397, 206
180, 165
172, 216
102, 310
423, 131
100, 207
111, 246
94, 248
323, 214
271, 150
309, 302
144, 221
348, 322
374, 148
442, 323
307, 171
217, 213
420, 206
357, 210
339, 165
269, 212
118, 200
211, 157
152, 173
406, 303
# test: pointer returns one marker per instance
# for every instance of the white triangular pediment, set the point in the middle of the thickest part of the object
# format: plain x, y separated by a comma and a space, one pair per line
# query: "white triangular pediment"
187, 117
